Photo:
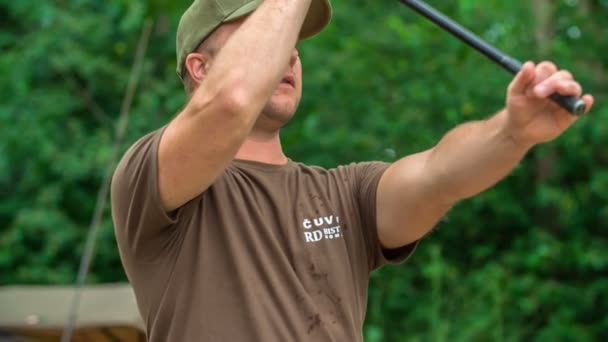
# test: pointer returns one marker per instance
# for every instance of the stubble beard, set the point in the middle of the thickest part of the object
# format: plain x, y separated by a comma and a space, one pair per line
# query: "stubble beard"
278, 112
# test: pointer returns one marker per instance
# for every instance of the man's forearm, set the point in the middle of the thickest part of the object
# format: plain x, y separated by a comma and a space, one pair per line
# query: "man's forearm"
254, 59
474, 156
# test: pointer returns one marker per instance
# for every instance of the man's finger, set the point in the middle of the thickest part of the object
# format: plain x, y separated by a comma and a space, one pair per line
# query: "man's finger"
544, 70
589, 100
524, 79
560, 82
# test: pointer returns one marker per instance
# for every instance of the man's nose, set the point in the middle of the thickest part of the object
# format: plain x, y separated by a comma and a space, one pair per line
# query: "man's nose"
294, 57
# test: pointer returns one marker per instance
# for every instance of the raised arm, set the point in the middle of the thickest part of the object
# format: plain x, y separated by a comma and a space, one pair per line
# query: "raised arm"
234, 86
416, 191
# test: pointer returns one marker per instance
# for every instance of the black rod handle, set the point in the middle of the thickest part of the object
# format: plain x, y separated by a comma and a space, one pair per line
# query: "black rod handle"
573, 104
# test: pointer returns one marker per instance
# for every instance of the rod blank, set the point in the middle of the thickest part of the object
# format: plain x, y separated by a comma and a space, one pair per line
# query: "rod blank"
573, 104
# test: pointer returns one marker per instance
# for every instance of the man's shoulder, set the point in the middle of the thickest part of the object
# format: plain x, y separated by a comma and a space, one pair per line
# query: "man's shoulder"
141, 149
148, 140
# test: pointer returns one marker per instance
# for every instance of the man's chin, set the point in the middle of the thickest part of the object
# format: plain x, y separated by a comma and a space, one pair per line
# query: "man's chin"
273, 120
281, 108
278, 116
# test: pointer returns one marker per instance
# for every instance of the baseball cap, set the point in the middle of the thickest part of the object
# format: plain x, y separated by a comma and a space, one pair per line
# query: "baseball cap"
204, 16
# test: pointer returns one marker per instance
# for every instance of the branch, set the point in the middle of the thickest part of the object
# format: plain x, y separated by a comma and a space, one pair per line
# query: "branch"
102, 195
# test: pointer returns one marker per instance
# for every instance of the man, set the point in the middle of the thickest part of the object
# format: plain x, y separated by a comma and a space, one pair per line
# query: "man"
226, 239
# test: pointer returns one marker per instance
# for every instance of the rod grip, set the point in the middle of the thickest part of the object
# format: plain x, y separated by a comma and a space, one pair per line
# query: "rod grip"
573, 104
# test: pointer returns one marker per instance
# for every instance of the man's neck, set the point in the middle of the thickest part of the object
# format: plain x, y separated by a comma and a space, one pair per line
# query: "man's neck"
263, 148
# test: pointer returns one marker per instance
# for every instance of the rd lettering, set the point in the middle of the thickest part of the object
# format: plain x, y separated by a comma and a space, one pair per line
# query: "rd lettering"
314, 236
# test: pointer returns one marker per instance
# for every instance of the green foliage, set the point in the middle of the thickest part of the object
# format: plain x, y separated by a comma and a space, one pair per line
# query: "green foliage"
526, 260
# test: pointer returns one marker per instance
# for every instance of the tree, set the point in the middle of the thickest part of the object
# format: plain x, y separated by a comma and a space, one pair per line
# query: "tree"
523, 261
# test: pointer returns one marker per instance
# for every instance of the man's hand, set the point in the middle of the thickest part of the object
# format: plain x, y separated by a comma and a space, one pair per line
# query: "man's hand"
532, 117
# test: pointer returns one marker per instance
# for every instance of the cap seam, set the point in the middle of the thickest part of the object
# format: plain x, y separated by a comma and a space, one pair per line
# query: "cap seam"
222, 8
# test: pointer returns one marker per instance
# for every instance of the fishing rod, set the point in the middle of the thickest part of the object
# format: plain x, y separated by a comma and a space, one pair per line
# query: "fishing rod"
573, 104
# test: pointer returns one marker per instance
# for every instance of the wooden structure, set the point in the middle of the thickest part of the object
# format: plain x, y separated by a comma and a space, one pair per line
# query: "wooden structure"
107, 313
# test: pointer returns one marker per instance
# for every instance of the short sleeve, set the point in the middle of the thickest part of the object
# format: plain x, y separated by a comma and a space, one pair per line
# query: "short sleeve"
368, 177
140, 221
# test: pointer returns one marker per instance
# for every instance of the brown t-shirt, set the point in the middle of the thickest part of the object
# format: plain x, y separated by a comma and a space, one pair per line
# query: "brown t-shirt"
267, 253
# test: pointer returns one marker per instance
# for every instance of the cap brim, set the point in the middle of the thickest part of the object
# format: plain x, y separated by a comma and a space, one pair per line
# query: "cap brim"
244, 10
318, 17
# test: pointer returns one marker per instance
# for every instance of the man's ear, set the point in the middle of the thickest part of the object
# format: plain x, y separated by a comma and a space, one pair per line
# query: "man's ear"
197, 65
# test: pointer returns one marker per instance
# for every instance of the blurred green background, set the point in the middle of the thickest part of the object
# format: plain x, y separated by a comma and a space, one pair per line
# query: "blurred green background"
524, 261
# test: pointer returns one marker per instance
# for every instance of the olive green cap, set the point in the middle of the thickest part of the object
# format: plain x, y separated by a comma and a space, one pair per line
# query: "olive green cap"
204, 16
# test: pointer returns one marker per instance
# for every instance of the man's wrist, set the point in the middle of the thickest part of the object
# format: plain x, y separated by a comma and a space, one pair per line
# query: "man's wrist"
511, 133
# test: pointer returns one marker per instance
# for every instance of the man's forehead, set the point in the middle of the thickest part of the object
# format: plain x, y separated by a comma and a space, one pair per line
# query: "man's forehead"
226, 29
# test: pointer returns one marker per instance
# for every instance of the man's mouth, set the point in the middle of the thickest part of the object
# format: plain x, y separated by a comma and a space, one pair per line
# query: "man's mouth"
290, 80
